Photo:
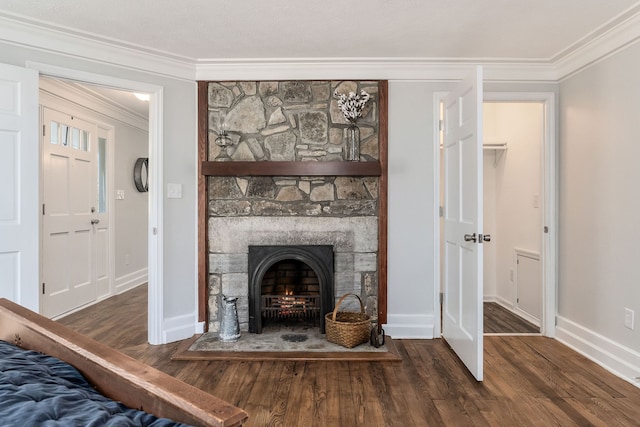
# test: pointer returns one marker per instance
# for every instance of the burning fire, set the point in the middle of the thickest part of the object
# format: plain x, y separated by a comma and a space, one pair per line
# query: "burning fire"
291, 304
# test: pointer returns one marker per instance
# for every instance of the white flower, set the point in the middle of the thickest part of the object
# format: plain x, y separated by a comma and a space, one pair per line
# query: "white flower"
352, 104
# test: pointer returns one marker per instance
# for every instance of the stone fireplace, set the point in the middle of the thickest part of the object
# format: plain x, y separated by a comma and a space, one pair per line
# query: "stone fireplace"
289, 122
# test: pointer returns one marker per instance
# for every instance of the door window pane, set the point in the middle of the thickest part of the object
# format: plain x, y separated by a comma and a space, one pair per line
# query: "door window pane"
53, 130
75, 138
85, 140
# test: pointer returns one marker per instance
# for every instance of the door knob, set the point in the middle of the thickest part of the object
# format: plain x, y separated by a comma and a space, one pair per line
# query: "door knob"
94, 221
470, 237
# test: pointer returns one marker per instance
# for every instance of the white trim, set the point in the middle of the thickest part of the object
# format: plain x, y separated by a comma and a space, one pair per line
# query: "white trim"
508, 305
156, 219
179, 328
438, 97
89, 100
129, 281
409, 326
618, 359
156, 262
41, 36
371, 69
622, 35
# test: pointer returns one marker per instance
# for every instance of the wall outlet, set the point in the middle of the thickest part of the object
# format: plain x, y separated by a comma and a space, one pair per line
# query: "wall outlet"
119, 194
629, 318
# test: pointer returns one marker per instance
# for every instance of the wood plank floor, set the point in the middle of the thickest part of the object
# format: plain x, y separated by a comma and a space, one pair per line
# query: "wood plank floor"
529, 381
498, 319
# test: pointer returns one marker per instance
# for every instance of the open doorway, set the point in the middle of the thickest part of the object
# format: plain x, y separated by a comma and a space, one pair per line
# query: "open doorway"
540, 261
513, 187
155, 316
92, 138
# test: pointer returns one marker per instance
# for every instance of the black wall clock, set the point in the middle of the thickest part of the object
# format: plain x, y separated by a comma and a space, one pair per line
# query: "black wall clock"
141, 174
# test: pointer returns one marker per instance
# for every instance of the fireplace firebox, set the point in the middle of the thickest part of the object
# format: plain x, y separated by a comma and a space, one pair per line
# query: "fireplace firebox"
290, 284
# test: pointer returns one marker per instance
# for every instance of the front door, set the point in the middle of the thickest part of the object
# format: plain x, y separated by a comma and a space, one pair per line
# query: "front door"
70, 212
462, 269
19, 171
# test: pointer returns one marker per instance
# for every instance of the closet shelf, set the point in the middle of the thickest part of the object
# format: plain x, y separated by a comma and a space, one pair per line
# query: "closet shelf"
498, 149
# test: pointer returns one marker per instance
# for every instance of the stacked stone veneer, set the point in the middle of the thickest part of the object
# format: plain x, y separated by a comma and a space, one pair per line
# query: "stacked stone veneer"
290, 121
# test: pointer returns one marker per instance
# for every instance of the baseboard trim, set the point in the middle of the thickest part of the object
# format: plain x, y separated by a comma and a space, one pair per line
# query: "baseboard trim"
409, 326
508, 306
179, 328
131, 280
616, 358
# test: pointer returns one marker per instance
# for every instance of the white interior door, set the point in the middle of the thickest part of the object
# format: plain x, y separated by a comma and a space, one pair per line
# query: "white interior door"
70, 220
462, 269
19, 171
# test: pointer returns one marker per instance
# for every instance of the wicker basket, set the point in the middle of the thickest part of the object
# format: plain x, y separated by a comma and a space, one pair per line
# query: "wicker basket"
345, 328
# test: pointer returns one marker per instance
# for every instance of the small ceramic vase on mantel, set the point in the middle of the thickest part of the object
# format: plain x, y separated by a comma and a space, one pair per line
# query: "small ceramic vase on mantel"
352, 140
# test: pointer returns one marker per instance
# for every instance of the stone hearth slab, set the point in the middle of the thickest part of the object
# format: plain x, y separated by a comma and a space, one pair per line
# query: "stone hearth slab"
281, 343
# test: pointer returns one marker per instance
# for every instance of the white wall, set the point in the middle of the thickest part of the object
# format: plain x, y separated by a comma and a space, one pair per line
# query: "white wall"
180, 148
412, 214
131, 213
512, 181
600, 210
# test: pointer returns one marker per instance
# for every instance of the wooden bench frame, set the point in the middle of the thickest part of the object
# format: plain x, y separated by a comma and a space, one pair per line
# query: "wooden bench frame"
114, 374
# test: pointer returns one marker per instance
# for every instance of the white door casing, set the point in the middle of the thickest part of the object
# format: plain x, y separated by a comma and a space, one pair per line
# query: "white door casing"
71, 222
19, 180
462, 269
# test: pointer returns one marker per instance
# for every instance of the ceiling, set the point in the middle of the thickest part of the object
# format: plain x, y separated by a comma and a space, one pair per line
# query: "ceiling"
202, 31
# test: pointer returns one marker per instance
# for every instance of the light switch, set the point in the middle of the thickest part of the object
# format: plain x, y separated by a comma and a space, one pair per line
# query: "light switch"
174, 191
119, 194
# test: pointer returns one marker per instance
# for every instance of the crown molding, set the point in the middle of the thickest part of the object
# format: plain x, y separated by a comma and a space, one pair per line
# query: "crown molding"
370, 69
94, 102
79, 45
609, 42
604, 41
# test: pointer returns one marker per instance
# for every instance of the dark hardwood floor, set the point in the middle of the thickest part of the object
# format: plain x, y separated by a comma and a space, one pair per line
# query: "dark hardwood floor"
499, 320
529, 381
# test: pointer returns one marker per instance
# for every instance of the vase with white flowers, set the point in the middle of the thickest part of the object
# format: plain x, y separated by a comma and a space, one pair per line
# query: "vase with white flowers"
351, 106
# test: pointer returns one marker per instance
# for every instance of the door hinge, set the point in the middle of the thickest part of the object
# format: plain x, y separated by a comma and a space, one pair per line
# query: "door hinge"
440, 124
441, 211
44, 130
43, 209
42, 288
546, 229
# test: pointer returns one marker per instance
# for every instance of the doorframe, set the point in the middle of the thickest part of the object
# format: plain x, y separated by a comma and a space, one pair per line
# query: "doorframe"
155, 316
549, 203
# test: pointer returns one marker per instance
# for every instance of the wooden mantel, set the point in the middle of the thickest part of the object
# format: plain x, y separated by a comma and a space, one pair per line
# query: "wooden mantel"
343, 168
291, 168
